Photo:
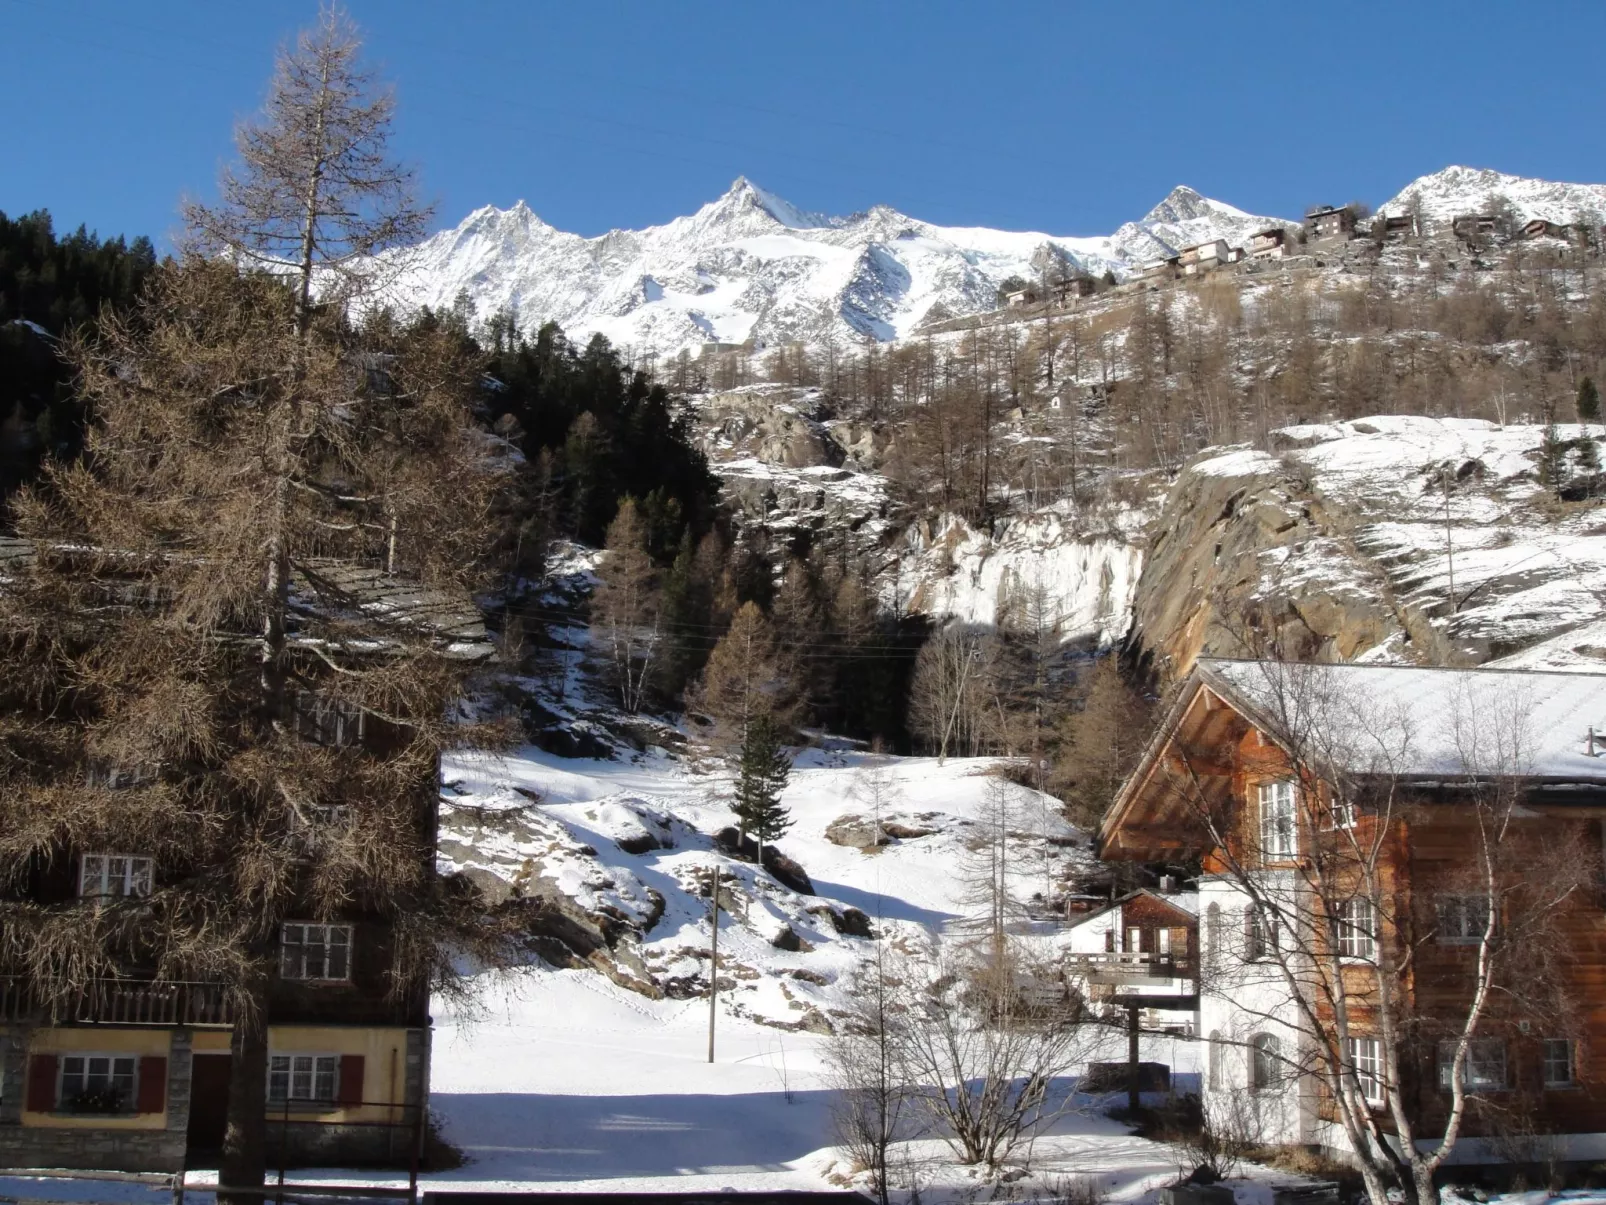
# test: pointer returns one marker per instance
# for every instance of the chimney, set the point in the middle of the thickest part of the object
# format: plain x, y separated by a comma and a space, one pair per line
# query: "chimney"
1168, 884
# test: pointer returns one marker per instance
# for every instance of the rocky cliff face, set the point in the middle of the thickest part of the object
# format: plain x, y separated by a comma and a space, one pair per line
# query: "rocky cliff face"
1409, 539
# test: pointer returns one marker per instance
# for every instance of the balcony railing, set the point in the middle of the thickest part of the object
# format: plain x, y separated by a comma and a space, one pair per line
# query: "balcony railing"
1121, 968
120, 1002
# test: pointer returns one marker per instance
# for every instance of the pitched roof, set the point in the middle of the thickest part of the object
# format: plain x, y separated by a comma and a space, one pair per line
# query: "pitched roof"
1427, 723
1183, 901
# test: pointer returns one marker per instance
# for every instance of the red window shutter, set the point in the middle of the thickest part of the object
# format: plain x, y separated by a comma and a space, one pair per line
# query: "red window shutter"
350, 1090
42, 1083
152, 1094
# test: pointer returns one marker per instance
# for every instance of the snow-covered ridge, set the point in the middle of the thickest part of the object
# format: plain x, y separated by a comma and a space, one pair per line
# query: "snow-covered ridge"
1454, 191
750, 265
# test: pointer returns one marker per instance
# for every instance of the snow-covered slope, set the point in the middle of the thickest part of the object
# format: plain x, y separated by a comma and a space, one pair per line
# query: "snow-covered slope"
1454, 191
752, 266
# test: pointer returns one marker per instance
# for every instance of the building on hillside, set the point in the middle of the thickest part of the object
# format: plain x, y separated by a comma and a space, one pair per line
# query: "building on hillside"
1021, 297
1202, 257
1271, 243
1235, 255
134, 1073
1076, 286
1330, 221
1166, 268
1335, 810
1475, 227
1398, 226
1140, 947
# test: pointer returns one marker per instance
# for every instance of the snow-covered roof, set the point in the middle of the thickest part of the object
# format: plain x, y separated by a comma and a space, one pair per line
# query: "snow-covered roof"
1426, 723
1182, 901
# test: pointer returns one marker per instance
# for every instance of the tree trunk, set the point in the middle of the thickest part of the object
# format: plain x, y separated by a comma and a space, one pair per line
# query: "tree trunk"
244, 1163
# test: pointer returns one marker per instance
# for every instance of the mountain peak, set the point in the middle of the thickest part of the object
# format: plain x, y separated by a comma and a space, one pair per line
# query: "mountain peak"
1184, 204
1455, 190
744, 198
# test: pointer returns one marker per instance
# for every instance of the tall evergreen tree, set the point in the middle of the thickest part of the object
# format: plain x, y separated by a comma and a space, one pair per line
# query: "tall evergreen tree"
761, 775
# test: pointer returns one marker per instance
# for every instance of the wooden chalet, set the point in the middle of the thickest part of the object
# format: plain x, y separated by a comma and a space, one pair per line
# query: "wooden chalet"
1138, 949
1220, 783
1203, 256
1271, 243
134, 1073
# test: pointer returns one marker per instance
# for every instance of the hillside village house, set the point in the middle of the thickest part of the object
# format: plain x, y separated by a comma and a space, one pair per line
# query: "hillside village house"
134, 1073
1268, 244
1203, 256
1371, 838
1141, 947
1329, 221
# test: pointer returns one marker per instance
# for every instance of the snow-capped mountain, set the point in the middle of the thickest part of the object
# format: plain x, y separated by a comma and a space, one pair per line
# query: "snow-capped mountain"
1454, 191
752, 266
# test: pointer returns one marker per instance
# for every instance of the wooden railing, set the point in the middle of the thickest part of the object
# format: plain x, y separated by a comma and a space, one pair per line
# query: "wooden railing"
120, 1002
1127, 967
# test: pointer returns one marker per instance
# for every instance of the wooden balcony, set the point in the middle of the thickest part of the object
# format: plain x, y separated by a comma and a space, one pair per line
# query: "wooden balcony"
121, 1002
1122, 969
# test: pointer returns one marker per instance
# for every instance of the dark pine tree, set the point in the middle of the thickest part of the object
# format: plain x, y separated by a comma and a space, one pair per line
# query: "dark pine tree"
760, 778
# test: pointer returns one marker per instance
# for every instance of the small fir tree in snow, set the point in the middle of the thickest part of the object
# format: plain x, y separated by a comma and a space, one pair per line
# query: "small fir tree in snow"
1588, 401
761, 776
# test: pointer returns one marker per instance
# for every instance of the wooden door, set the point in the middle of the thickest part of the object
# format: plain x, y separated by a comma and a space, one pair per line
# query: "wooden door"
209, 1105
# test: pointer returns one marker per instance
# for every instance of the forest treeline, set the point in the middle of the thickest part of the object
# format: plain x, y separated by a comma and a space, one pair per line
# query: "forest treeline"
50, 286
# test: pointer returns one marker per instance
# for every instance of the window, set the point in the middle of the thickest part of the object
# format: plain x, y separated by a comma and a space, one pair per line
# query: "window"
1341, 814
315, 951
326, 721
1485, 1069
113, 777
114, 874
1264, 1073
1277, 831
97, 1083
1260, 935
1365, 1056
309, 1077
1214, 1055
1462, 919
1559, 1066
1357, 929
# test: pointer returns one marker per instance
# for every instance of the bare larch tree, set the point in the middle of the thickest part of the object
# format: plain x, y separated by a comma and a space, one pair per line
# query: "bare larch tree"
243, 620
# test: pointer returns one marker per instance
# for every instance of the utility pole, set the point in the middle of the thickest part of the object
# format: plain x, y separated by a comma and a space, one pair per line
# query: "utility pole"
713, 962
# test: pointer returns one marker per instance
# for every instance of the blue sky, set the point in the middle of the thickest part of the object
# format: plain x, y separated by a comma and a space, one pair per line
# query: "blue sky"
1064, 117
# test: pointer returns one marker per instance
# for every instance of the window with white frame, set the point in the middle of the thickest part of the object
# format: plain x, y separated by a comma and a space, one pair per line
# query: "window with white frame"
1560, 1068
315, 951
1365, 1057
1264, 1073
114, 875
303, 1077
1341, 814
1278, 830
1485, 1067
326, 721
97, 1083
1357, 929
1462, 919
